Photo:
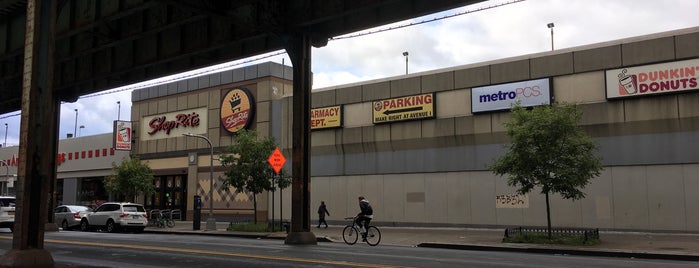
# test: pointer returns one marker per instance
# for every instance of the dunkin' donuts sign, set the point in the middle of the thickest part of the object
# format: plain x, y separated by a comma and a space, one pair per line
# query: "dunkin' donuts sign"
671, 77
237, 110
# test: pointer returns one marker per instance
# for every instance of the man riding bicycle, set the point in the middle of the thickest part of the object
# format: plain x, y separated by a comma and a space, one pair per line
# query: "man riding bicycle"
365, 216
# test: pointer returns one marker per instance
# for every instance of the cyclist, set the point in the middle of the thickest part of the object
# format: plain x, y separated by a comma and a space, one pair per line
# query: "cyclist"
364, 216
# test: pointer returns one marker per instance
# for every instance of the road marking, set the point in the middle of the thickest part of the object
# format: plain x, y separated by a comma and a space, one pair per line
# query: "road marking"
220, 253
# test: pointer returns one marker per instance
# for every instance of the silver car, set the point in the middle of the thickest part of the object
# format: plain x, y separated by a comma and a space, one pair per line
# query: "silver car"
69, 216
113, 217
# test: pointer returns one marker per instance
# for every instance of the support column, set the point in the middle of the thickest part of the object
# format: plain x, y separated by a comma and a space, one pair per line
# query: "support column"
298, 46
38, 141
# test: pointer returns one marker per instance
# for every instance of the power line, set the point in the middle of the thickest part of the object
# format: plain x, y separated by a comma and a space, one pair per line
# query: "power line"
425, 21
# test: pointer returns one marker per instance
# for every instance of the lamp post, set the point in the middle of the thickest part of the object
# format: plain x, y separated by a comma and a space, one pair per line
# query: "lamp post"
119, 110
211, 221
550, 25
75, 129
4, 144
406, 61
81, 130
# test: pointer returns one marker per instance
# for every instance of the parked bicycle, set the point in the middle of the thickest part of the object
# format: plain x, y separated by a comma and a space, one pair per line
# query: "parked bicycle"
161, 218
351, 233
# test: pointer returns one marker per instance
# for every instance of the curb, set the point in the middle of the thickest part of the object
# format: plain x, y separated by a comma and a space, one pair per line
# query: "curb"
559, 251
233, 234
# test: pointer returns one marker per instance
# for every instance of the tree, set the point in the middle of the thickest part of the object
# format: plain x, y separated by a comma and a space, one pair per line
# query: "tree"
548, 150
131, 178
246, 165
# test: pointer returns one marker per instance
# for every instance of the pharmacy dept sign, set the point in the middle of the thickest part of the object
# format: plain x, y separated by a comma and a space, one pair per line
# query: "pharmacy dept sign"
503, 96
671, 77
403, 108
326, 117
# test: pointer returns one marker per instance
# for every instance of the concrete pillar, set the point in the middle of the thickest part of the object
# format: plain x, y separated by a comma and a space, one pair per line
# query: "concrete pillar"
38, 141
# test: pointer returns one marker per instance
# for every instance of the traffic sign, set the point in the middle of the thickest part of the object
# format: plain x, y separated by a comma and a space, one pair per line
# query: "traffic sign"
276, 160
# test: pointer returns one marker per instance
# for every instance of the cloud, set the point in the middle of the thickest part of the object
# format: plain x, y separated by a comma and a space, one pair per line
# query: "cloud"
491, 34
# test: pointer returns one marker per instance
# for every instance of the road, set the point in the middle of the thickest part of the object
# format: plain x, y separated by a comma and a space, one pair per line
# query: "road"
97, 249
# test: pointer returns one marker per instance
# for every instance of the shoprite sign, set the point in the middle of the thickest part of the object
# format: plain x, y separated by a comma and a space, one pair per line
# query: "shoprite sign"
174, 124
671, 77
403, 108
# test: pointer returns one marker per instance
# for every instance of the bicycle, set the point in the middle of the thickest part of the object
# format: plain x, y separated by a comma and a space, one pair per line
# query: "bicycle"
351, 233
163, 218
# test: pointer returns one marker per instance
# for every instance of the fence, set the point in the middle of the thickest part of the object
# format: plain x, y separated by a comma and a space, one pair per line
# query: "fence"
585, 233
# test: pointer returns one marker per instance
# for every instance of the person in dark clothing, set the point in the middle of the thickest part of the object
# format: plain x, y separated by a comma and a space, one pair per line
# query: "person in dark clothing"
322, 210
365, 215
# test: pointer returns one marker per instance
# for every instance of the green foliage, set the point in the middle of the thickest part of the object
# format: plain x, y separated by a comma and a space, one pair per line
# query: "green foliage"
247, 167
543, 238
548, 150
131, 178
246, 163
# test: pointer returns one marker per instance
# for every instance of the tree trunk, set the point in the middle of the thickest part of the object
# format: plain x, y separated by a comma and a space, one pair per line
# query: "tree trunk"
548, 214
254, 202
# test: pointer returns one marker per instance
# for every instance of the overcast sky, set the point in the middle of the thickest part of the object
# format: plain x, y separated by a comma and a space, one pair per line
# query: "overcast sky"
511, 30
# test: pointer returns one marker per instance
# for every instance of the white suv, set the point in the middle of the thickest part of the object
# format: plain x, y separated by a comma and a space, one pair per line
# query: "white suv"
7, 212
113, 217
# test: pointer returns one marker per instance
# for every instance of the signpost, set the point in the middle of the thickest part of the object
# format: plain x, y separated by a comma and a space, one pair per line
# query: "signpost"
276, 160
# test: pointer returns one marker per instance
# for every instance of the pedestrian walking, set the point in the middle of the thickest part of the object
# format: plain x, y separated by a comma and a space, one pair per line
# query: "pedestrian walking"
322, 210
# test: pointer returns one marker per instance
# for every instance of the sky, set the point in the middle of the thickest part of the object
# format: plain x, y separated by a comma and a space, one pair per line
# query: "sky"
491, 30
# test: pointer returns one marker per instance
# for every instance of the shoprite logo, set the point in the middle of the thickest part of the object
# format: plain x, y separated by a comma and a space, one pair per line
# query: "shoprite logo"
237, 110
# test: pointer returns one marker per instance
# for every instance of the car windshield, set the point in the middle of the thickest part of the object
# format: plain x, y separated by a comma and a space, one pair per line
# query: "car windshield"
132, 208
7, 202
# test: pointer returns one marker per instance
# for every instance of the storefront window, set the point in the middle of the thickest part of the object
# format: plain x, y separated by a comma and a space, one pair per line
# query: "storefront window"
92, 192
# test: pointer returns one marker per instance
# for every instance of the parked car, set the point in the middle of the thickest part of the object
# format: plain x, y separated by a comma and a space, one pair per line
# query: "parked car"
113, 217
69, 216
7, 212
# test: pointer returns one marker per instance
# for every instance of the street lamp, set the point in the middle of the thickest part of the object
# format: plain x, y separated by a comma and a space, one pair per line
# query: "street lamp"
4, 144
405, 54
119, 111
75, 129
550, 25
81, 129
211, 221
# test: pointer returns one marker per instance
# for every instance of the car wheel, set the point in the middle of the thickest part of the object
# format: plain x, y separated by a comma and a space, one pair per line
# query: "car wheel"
64, 225
111, 226
84, 225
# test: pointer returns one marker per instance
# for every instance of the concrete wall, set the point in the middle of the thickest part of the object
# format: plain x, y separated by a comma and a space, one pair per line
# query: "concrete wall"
622, 197
434, 172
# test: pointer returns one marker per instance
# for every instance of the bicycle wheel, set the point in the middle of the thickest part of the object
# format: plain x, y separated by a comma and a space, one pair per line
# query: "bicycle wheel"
373, 236
170, 223
350, 235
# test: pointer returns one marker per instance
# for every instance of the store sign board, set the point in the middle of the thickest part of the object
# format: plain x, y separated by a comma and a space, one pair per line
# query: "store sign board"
670, 77
503, 96
174, 124
237, 110
122, 135
326, 117
403, 109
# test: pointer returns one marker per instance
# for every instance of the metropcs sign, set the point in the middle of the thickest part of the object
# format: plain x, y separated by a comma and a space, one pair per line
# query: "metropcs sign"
671, 77
503, 96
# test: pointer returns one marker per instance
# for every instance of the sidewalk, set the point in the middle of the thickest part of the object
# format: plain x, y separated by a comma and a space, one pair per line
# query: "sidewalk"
675, 246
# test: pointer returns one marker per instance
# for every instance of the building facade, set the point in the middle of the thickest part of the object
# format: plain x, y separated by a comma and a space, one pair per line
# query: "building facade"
418, 146
82, 164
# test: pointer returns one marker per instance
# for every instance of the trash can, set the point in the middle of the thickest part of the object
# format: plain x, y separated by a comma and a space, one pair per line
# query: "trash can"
196, 222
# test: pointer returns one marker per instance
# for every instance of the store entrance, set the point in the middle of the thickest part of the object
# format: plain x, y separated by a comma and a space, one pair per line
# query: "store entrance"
170, 194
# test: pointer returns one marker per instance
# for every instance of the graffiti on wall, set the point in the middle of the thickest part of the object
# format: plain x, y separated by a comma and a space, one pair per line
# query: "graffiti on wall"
511, 201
